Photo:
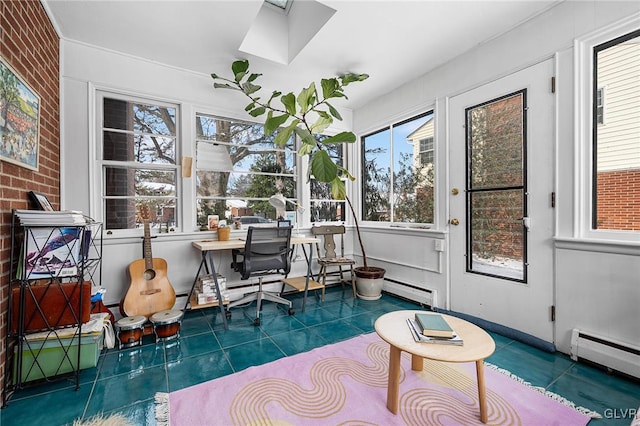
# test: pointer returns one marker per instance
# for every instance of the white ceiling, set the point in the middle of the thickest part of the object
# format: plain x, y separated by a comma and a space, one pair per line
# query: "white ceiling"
393, 41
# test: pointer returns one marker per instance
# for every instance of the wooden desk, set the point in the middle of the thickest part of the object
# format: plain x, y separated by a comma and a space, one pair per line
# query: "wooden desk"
209, 247
393, 329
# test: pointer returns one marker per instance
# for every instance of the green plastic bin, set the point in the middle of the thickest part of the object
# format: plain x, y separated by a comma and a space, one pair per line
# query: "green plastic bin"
51, 359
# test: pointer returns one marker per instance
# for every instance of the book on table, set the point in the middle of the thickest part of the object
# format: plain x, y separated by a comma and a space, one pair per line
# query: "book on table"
420, 338
433, 325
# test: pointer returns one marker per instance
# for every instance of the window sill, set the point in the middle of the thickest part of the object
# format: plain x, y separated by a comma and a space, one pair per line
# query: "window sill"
600, 246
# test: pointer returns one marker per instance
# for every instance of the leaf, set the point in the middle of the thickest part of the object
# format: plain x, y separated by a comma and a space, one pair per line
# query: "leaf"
289, 102
305, 149
306, 98
306, 137
334, 112
338, 190
257, 112
224, 86
342, 137
329, 86
250, 88
324, 121
323, 167
239, 69
272, 123
346, 172
284, 134
274, 94
249, 107
253, 77
352, 78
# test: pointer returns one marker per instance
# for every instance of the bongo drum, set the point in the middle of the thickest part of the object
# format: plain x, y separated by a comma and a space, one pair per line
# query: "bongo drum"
166, 324
130, 331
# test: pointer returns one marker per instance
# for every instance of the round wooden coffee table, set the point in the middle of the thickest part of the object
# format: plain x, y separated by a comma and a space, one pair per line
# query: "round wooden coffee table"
393, 329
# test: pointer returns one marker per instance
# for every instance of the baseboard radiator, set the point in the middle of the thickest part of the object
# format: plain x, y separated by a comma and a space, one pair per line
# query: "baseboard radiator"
424, 296
606, 352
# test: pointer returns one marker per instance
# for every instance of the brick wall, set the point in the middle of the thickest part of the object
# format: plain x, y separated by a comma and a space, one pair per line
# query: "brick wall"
619, 200
30, 45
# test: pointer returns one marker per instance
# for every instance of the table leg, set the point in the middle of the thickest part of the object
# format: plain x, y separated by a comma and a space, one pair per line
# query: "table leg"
482, 394
417, 362
394, 379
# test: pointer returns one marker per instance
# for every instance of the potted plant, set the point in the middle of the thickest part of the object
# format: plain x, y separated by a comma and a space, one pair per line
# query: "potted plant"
306, 115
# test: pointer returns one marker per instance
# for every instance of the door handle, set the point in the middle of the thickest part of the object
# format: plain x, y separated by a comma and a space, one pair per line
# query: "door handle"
454, 222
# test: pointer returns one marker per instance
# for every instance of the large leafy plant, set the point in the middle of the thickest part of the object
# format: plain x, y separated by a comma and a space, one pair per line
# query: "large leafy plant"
307, 114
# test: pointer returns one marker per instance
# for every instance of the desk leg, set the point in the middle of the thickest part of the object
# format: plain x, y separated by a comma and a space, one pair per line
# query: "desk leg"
309, 259
393, 385
212, 269
203, 262
482, 394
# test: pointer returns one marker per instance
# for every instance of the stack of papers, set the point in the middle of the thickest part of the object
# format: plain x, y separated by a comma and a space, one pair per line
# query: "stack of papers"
47, 218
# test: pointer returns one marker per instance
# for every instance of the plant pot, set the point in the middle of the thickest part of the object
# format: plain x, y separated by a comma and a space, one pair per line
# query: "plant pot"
369, 282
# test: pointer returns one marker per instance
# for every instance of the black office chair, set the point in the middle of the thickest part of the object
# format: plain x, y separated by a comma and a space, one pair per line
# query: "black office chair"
266, 252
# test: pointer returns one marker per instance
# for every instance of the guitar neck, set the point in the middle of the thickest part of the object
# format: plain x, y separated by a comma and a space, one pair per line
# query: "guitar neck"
148, 258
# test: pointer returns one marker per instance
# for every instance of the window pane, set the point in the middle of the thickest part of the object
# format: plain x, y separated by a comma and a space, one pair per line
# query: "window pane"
121, 181
413, 177
497, 233
617, 134
327, 211
139, 148
123, 213
496, 134
376, 176
242, 185
139, 118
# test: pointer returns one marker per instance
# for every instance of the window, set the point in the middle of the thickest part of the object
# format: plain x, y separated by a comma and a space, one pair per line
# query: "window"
398, 172
496, 187
616, 144
323, 207
599, 106
238, 169
426, 150
138, 141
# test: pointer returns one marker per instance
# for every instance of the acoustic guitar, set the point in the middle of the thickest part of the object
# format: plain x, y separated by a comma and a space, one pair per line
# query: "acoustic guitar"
149, 290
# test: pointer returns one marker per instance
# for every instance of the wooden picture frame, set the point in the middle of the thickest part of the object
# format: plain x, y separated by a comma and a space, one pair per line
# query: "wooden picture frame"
19, 119
41, 201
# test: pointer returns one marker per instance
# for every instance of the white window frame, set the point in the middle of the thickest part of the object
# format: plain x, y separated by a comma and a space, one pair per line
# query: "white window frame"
204, 113
98, 181
398, 119
583, 123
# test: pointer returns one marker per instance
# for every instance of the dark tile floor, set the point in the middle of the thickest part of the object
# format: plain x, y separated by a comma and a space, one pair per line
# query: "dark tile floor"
126, 381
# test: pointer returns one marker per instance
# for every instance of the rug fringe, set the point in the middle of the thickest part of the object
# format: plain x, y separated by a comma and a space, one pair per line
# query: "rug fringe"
558, 398
162, 408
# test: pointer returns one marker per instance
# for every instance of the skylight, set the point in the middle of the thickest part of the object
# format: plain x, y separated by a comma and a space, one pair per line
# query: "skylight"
280, 4
280, 34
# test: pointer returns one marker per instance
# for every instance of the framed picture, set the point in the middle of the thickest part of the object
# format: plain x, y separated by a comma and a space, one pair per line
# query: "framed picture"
19, 119
40, 201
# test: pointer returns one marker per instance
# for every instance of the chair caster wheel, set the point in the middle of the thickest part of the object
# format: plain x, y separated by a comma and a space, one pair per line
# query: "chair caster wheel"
256, 322
291, 311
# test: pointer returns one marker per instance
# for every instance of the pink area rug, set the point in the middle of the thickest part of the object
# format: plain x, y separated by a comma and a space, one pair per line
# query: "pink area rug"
346, 383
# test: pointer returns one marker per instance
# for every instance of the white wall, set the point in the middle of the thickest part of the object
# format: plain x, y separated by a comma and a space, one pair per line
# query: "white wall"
603, 277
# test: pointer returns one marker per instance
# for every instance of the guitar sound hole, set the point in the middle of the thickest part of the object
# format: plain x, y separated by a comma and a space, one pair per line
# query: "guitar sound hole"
149, 274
